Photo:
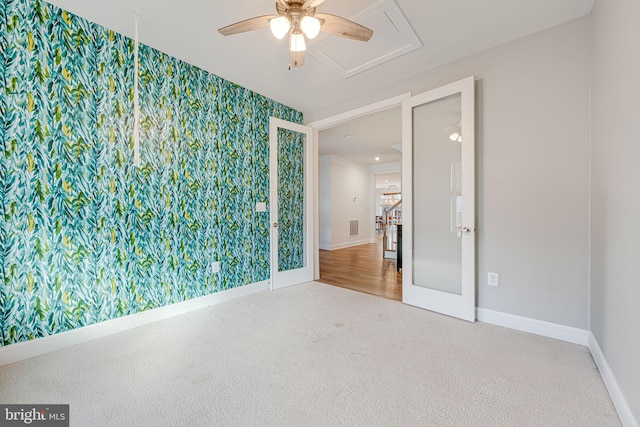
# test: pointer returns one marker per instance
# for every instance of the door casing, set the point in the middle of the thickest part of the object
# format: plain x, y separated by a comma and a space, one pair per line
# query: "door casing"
305, 274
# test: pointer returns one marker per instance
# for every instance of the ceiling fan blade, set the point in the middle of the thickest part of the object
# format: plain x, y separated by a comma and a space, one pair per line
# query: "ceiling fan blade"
297, 58
313, 3
247, 25
342, 27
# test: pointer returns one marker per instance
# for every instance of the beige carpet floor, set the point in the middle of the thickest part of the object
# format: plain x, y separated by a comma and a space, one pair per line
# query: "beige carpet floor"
317, 355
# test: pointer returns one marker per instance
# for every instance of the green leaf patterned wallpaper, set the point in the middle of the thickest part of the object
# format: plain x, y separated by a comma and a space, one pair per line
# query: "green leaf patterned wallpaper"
86, 236
290, 200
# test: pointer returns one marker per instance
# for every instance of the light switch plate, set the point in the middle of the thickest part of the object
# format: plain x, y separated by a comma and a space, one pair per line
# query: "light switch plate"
215, 266
261, 206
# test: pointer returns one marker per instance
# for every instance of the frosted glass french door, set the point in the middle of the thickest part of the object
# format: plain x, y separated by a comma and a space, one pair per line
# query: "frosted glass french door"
291, 201
438, 186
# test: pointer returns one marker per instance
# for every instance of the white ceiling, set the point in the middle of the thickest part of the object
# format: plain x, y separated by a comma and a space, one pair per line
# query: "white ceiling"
447, 30
365, 138
392, 37
389, 181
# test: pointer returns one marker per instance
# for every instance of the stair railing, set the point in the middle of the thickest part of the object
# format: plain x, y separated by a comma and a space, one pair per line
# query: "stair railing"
389, 238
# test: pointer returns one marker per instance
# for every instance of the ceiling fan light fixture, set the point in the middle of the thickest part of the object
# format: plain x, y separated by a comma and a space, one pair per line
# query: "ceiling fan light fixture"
310, 26
298, 19
280, 26
297, 42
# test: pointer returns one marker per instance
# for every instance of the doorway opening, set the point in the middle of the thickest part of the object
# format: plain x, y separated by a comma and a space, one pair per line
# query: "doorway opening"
438, 176
360, 202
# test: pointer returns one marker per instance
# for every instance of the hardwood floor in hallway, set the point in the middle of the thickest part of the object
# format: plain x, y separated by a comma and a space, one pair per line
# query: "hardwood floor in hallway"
362, 268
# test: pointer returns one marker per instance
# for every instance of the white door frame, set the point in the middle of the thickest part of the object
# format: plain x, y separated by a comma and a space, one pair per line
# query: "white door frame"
333, 121
305, 274
363, 111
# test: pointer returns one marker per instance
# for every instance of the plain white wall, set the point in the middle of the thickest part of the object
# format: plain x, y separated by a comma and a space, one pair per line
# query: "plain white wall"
615, 203
533, 168
346, 180
324, 200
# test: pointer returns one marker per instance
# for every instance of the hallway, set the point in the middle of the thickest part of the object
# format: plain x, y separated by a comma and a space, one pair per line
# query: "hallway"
362, 268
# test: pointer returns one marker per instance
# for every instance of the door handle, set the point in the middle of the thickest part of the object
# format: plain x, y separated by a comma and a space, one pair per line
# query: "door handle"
460, 230
275, 225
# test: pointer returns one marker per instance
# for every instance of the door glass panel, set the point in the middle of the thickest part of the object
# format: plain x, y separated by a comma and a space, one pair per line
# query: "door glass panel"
291, 201
437, 195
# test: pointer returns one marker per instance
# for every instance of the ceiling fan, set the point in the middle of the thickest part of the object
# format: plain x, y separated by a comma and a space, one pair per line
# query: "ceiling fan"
299, 19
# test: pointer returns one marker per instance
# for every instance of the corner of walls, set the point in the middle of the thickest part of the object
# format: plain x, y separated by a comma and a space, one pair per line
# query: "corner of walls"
615, 90
617, 396
590, 177
572, 335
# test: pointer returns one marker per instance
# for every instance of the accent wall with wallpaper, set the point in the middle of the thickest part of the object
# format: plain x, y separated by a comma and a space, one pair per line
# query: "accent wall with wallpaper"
88, 237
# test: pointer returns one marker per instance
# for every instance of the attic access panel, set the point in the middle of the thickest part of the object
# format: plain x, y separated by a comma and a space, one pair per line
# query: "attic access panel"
392, 37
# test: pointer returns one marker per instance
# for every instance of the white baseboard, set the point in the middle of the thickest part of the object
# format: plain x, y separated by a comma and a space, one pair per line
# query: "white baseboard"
326, 247
619, 401
25, 350
572, 335
533, 326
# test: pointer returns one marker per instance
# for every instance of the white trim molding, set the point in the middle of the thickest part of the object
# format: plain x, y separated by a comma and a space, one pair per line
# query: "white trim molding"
386, 168
381, 15
572, 335
25, 350
337, 160
346, 245
533, 326
619, 401
341, 118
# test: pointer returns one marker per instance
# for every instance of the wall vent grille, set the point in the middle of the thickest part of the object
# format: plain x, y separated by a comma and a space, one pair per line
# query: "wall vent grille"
353, 228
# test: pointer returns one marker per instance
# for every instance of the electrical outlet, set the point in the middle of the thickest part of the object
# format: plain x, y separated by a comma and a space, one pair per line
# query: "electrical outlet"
215, 266
493, 279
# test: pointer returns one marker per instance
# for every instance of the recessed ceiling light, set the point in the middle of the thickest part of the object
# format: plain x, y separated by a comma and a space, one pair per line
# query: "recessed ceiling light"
377, 159
386, 181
